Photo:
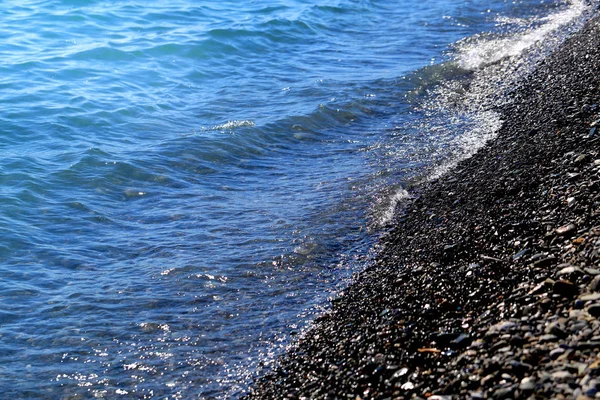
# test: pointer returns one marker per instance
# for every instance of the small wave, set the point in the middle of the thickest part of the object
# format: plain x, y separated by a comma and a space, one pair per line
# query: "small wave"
492, 65
483, 127
387, 210
100, 53
481, 53
230, 125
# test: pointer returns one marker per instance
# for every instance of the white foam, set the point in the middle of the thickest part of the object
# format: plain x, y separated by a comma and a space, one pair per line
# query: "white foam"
229, 125
388, 212
484, 126
477, 55
498, 63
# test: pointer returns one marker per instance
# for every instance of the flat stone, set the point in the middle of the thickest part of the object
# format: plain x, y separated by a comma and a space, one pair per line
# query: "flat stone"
503, 393
499, 345
502, 326
578, 325
450, 247
566, 229
592, 271
548, 338
520, 254
590, 297
587, 345
561, 375
570, 270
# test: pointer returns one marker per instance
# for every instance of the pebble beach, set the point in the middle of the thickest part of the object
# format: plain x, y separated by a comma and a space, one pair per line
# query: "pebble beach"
488, 284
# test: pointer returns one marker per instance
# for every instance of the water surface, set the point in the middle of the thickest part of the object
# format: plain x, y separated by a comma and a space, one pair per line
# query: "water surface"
182, 185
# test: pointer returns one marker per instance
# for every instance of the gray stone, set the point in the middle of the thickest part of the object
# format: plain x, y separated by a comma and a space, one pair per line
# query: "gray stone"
499, 345
520, 254
548, 338
592, 271
587, 345
595, 284
502, 326
566, 230
578, 326
570, 270
590, 297
527, 384
561, 375
503, 393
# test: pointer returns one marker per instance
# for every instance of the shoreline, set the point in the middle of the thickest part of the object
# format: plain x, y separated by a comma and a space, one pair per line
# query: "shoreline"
488, 284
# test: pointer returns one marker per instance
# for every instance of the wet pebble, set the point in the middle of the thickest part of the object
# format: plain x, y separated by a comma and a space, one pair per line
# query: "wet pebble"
594, 310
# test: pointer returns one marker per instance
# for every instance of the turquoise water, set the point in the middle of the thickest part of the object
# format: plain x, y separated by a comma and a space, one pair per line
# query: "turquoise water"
183, 185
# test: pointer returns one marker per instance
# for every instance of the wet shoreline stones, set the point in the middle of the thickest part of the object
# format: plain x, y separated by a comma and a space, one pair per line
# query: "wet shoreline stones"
495, 296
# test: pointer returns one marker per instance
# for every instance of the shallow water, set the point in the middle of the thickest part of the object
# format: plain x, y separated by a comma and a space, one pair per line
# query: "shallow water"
182, 186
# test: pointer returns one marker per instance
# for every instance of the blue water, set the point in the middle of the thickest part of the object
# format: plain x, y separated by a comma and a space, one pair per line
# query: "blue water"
182, 185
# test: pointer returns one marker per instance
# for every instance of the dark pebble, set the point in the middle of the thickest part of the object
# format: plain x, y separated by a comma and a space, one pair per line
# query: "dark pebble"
544, 262
594, 310
565, 288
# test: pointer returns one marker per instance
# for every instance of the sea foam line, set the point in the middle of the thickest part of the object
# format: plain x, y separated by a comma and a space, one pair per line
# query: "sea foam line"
480, 54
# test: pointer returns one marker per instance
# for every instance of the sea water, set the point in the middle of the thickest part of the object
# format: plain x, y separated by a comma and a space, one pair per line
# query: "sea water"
183, 184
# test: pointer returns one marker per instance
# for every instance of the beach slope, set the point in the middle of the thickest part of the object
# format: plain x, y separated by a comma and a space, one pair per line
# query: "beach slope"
489, 284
